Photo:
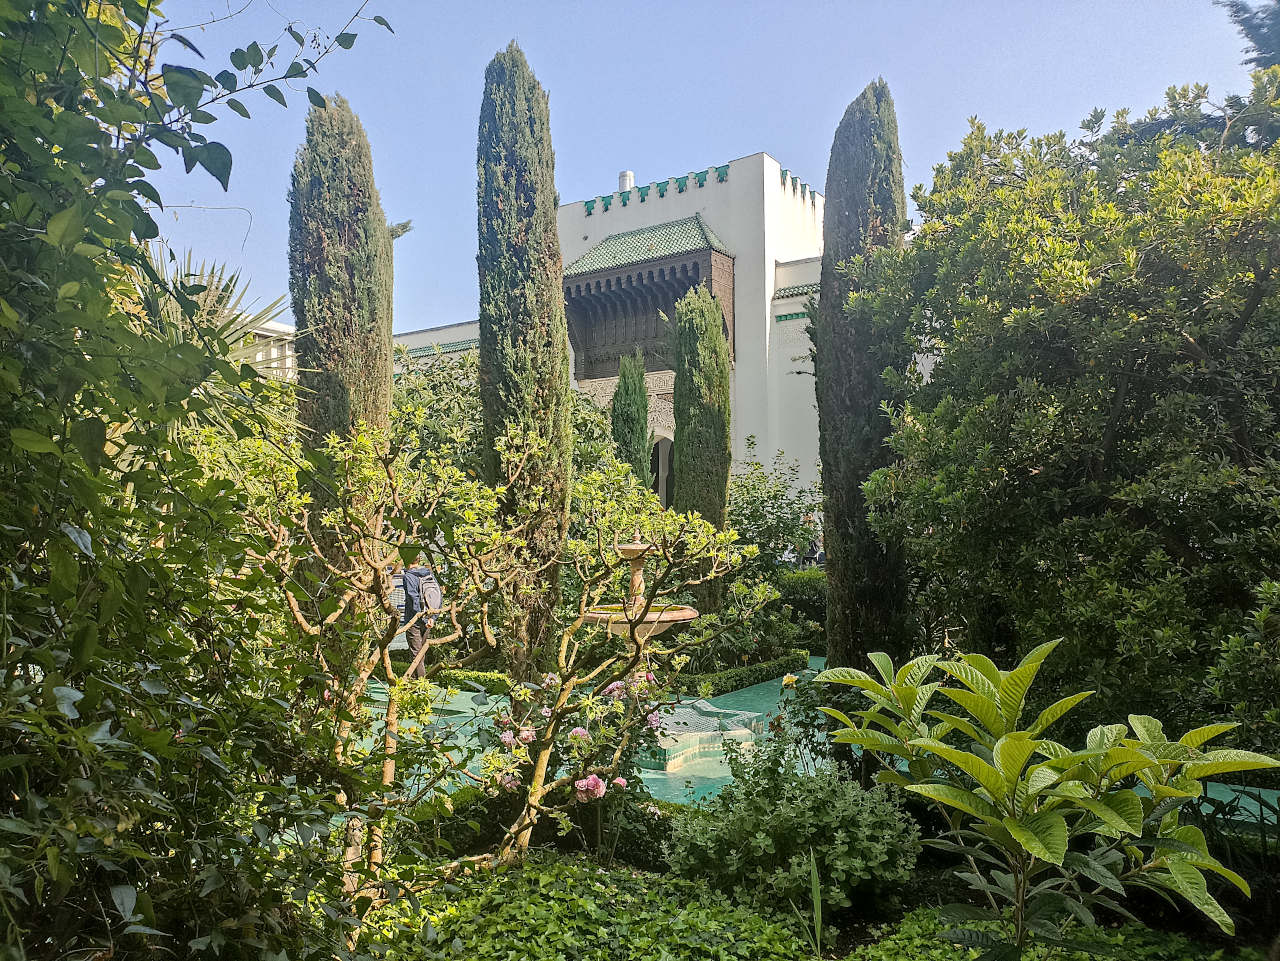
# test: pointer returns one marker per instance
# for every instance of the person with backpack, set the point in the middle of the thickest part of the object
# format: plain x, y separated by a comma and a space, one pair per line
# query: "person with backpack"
421, 594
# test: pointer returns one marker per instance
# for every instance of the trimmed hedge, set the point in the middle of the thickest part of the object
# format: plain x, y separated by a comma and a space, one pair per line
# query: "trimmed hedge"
805, 591
736, 678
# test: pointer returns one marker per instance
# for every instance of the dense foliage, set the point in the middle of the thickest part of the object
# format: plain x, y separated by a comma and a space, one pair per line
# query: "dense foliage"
524, 341
702, 450
770, 508
340, 277
714, 683
154, 782
755, 839
805, 592
917, 937
554, 909
1051, 833
1096, 454
865, 209
629, 416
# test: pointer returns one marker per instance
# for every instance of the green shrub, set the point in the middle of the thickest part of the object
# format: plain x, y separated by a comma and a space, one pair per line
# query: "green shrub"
918, 937
754, 839
552, 909
805, 592
736, 678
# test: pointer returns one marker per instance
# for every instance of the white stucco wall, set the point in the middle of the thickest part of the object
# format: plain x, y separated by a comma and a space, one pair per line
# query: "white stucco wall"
773, 228
762, 221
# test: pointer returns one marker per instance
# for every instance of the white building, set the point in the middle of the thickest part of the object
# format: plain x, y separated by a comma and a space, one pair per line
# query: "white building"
750, 230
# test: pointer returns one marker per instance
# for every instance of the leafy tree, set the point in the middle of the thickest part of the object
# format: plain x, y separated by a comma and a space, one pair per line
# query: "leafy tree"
770, 508
155, 786
340, 278
1095, 454
524, 340
865, 209
702, 451
629, 416
1260, 26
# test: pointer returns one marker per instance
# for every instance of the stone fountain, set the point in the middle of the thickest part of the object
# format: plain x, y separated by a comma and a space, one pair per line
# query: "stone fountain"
622, 619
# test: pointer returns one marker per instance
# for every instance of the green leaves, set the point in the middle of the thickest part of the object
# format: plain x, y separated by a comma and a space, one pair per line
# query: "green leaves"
272, 91
1043, 834
316, 97
215, 158
66, 227
345, 40
28, 440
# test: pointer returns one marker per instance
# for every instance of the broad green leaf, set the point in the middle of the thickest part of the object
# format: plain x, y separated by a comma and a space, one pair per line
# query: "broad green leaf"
345, 40
382, 22
1147, 728
1224, 762
983, 709
1015, 685
182, 85
971, 677
238, 107
957, 798
971, 764
1127, 806
216, 158
839, 716
272, 91
884, 665
65, 228
1043, 834
1202, 735
1056, 711
1188, 881
316, 97
89, 435
29, 440
125, 898
1011, 754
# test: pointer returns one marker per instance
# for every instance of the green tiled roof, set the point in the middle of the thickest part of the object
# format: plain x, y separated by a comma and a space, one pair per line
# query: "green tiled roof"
449, 347
647, 243
799, 290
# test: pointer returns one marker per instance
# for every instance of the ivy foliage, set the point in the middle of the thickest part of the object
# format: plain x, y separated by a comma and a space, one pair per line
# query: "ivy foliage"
1095, 454
153, 786
552, 909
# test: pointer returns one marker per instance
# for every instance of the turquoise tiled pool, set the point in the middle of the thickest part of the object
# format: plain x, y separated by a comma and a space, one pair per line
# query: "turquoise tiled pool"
700, 771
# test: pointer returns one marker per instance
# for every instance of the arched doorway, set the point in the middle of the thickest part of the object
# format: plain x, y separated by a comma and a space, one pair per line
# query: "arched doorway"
660, 468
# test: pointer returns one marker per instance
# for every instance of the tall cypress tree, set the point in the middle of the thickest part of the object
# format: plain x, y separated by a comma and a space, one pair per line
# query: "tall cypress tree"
702, 452
524, 341
865, 209
629, 416
340, 277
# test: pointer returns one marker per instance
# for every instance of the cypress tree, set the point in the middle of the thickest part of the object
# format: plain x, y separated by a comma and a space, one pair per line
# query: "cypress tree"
702, 452
524, 341
340, 277
629, 416
865, 209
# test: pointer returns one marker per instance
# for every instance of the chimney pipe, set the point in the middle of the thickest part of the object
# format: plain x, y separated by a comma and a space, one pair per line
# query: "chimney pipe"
626, 180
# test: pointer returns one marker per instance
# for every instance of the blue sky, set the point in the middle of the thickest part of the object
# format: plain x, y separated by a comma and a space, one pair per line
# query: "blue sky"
660, 88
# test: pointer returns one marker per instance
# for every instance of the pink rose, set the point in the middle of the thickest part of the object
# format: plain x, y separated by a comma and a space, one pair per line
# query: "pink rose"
654, 720
620, 782
508, 739
590, 788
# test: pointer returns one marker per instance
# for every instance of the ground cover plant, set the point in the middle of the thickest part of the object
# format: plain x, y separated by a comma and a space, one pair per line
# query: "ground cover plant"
552, 909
